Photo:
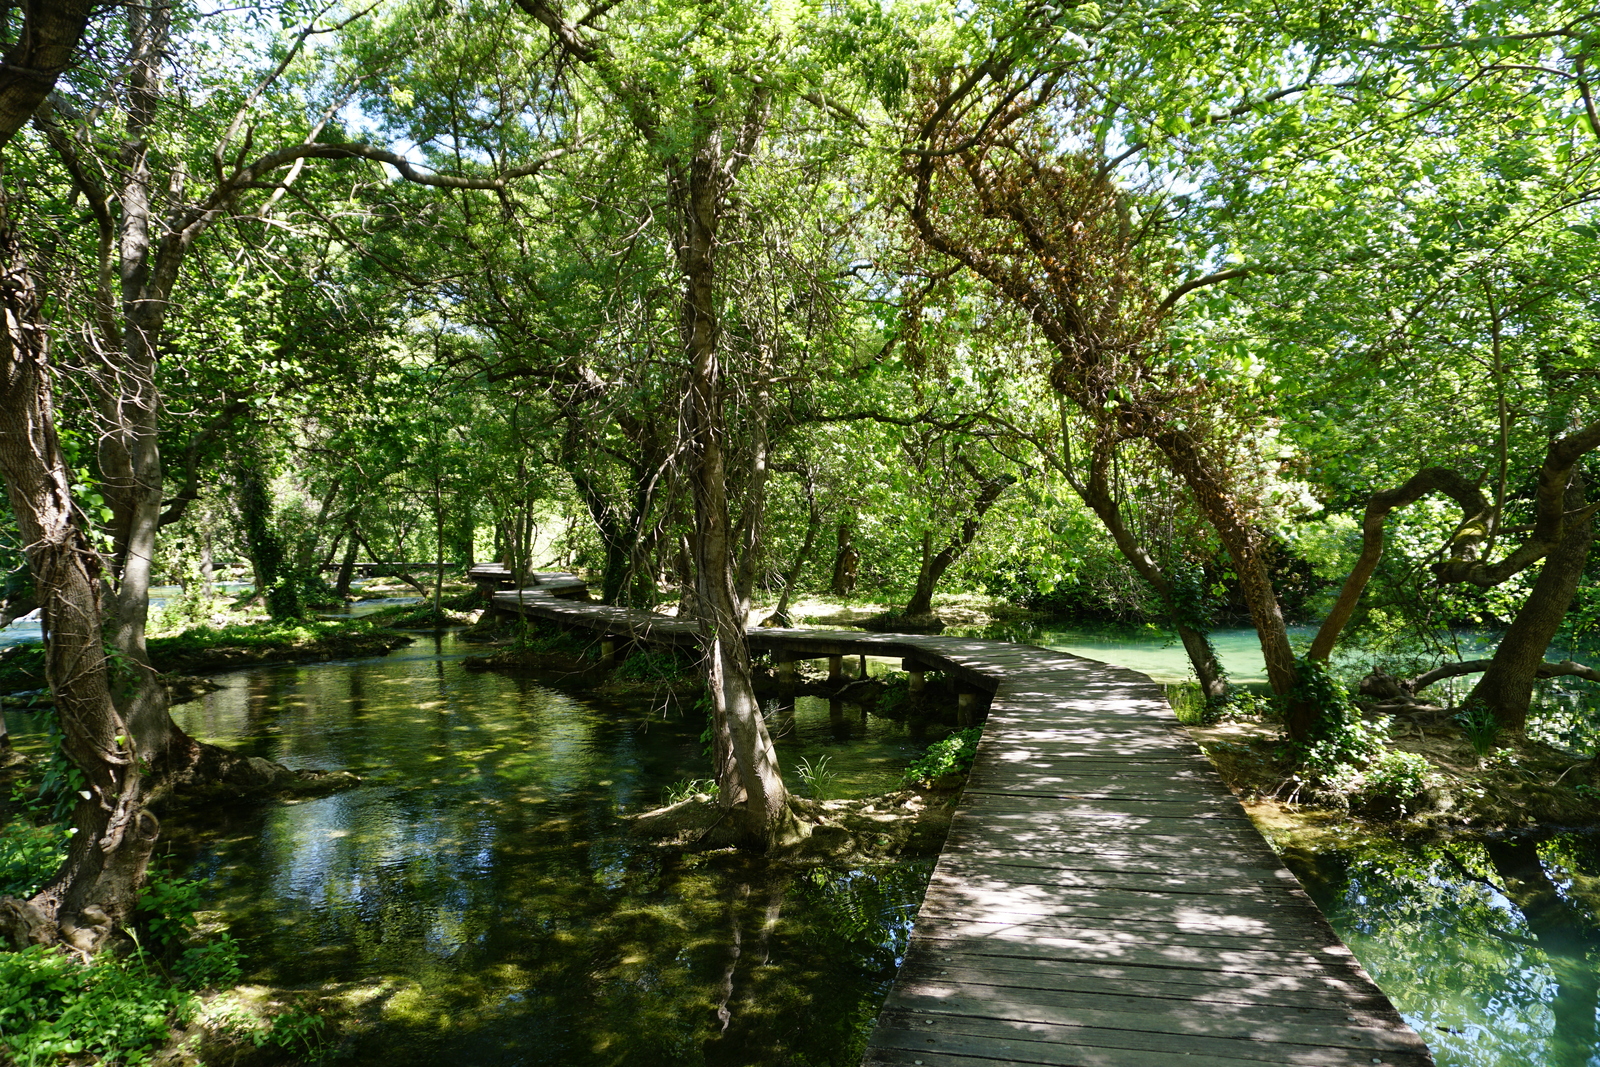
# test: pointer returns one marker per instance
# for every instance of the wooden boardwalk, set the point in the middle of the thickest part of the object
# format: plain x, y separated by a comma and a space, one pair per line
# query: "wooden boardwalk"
1102, 900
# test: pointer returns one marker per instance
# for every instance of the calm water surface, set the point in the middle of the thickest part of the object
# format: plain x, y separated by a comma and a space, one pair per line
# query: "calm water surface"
1491, 950
483, 888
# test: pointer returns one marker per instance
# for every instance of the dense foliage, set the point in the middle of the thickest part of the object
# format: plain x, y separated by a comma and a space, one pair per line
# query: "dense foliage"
1195, 315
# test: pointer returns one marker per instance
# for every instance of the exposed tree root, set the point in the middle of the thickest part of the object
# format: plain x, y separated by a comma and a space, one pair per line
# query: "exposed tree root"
880, 828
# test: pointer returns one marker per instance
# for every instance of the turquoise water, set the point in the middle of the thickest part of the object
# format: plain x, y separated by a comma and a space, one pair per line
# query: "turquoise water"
1490, 949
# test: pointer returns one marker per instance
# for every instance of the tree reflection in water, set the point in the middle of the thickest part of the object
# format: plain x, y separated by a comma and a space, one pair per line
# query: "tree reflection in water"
1490, 949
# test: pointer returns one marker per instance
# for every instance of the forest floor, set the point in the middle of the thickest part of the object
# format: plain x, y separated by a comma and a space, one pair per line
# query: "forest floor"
1521, 785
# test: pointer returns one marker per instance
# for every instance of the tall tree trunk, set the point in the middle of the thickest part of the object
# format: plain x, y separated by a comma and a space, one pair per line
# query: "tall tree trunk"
208, 567
275, 583
1506, 688
1095, 491
1242, 543
43, 49
438, 550
738, 725
845, 560
347, 565
792, 577
108, 740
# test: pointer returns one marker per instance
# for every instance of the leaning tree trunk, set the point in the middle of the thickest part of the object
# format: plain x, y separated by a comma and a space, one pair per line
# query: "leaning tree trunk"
1242, 544
1096, 492
1506, 688
935, 564
740, 732
347, 565
97, 886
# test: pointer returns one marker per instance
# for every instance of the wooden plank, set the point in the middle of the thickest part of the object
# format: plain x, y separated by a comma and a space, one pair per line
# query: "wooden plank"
1327, 1027
1311, 989
979, 1042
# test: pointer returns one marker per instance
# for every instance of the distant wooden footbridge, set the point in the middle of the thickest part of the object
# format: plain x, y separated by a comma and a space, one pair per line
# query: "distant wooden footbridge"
1102, 899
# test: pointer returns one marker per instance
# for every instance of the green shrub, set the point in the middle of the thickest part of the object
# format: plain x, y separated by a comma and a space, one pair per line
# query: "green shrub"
1340, 742
52, 1006
531, 637
953, 755
166, 910
1394, 781
22, 669
896, 692
29, 855
1189, 704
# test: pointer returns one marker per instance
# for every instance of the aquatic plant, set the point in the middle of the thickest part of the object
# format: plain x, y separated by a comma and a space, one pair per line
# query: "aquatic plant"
1480, 727
531, 637
817, 777
662, 666
952, 755
685, 788
895, 693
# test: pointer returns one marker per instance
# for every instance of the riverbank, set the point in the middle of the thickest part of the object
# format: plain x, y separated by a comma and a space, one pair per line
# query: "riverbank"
1450, 788
208, 650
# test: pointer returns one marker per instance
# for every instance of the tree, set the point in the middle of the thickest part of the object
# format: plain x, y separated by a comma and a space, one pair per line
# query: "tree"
117, 730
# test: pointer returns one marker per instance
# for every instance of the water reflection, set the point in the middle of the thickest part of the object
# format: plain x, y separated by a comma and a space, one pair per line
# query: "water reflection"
1490, 949
483, 878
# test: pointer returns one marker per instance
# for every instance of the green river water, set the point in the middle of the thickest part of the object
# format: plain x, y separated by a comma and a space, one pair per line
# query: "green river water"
479, 892
481, 888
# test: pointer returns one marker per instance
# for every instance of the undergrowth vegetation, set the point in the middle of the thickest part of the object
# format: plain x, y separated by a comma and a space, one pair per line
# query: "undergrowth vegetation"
1345, 760
952, 755
120, 1006
663, 666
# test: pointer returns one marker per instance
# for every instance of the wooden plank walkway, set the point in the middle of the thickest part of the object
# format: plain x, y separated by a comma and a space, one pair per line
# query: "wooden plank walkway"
1102, 899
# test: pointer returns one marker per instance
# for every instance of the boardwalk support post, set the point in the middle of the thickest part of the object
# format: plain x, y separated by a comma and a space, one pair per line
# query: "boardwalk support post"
608, 650
966, 706
916, 670
785, 667
835, 670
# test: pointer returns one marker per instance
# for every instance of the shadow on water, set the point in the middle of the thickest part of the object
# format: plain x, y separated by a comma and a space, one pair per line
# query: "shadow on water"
483, 886
1490, 949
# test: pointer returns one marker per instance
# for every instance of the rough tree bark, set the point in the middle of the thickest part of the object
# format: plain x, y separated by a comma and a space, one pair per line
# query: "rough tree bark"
106, 739
700, 171
699, 186
845, 560
1506, 687
50, 33
807, 476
